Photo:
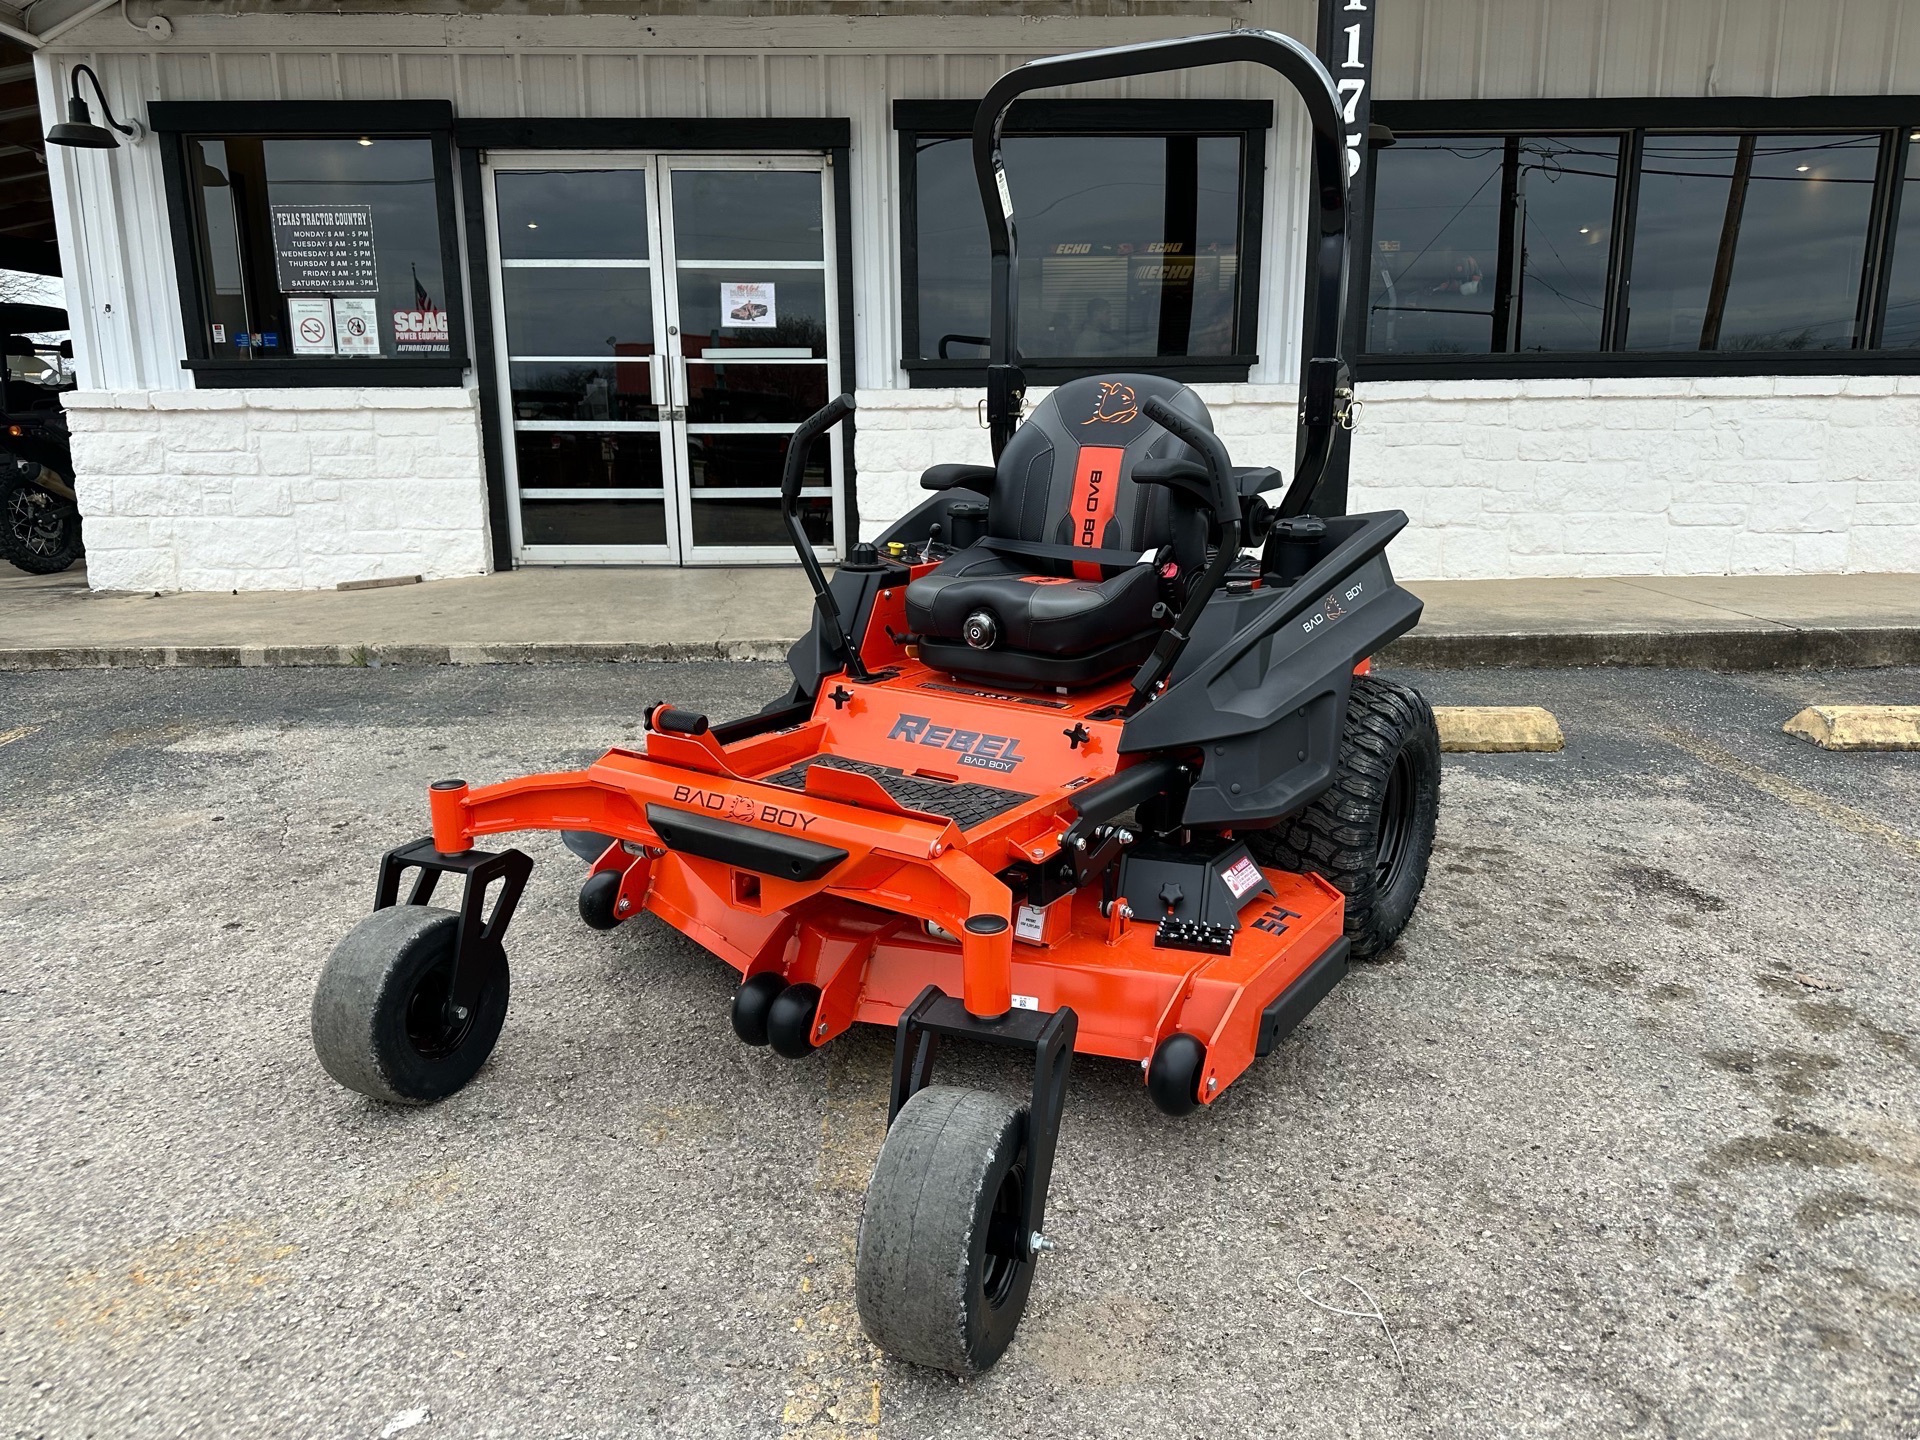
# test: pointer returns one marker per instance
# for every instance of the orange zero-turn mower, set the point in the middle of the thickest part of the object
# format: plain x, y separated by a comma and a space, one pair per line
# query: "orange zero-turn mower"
1083, 755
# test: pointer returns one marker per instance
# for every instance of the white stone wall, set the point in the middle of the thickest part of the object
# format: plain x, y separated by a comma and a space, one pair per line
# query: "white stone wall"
1706, 476
278, 489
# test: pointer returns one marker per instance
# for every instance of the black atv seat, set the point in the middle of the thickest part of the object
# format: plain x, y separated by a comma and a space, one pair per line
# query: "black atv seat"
1062, 590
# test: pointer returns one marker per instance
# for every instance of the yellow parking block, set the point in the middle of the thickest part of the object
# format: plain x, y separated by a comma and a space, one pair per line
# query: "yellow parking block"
1497, 728
1858, 727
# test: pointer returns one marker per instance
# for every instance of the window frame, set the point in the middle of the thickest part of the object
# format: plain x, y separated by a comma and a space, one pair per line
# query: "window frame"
1250, 120
1890, 116
176, 123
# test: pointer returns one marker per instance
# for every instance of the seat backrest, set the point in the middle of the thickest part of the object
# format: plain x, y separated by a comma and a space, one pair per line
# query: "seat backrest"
1065, 477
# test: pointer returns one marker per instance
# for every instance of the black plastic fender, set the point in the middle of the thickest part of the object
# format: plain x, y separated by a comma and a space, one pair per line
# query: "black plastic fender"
1261, 692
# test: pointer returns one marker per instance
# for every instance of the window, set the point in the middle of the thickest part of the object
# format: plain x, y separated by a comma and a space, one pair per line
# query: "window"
1751, 242
307, 256
1137, 229
1642, 237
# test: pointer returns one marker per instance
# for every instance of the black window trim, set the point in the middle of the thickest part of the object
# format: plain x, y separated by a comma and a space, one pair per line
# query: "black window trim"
1251, 119
1893, 116
174, 122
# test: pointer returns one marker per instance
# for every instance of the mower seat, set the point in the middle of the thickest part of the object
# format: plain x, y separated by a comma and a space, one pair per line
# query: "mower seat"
1062, 588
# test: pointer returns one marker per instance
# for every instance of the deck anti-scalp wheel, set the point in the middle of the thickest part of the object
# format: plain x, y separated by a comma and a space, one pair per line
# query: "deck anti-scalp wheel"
751, 1004
790, 1020
1371, 831
381, 1024
944, 1266
598, 896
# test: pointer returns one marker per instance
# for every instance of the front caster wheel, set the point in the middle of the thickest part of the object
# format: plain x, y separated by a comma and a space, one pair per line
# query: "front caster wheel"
944, 1263
598, 897
790, 1020
381, 1022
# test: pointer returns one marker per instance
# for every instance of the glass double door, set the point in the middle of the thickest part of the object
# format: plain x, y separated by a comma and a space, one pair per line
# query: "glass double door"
663, 323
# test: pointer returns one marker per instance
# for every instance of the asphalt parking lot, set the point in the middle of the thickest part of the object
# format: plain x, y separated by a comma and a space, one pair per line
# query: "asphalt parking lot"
1620, 1140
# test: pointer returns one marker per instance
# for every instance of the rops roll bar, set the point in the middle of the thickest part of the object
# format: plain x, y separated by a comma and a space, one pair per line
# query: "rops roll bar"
1324, 388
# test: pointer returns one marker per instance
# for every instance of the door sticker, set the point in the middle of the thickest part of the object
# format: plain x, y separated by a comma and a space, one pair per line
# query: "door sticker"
747, 305
356, 325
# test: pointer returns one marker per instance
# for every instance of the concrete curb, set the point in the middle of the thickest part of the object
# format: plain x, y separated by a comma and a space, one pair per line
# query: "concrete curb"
236, 657
1865, 647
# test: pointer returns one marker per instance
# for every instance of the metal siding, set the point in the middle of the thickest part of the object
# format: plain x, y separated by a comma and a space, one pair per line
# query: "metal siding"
307, 75
794, 85
1688, 43
1510, 48
1803, 63
183, 76
673, 85
734, 87
489, 86
1864, 48
366, 76
550, 84
247, 75
426, 77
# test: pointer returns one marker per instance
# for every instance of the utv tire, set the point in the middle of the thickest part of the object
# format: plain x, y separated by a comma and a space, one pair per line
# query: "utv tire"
1371, 832
379, 1024
943, 1269
39, 532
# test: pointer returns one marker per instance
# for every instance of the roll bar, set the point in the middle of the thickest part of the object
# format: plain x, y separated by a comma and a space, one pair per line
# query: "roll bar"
1324, 386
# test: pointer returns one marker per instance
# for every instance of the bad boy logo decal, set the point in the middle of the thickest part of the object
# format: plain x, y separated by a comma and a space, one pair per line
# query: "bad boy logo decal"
1114, 405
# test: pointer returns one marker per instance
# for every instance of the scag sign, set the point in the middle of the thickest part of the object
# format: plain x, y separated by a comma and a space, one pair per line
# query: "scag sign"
422, 330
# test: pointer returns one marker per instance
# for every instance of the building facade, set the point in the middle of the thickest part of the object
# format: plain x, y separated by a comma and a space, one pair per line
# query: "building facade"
435, 288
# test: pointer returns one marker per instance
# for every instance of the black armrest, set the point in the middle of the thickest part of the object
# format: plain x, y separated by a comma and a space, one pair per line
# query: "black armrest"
1253, 480
958, 477
1186, 477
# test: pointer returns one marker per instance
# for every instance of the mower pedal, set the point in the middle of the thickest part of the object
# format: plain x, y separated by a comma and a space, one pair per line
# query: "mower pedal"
1200, 935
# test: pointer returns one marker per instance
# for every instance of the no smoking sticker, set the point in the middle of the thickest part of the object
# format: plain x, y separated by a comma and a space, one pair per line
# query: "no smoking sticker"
312, 323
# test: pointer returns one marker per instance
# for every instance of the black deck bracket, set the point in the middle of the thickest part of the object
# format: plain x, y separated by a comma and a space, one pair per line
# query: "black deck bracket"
478, 930
1049, 1034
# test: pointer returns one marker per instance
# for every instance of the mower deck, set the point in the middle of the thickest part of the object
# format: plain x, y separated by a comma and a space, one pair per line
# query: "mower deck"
873, 877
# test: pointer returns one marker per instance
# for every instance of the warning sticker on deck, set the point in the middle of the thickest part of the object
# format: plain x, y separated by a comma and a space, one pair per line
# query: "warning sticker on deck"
1241, 876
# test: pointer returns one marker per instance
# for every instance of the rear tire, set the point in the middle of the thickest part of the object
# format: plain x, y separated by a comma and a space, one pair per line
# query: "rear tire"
943, 1270
1371, 832
378, 1012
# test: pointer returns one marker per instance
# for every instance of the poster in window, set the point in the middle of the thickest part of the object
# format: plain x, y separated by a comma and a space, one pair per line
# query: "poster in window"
423, 330
356, 324
324, 249
746, 305
312, 323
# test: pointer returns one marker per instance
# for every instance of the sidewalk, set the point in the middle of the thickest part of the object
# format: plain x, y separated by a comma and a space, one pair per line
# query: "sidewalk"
607, 614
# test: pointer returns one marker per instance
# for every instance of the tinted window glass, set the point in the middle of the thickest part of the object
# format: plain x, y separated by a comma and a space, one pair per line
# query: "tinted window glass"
1802, 240
319, 247
1129, 246
1436, 245
1902, 329
1564, 198
1684, 182
747, 215
572, 214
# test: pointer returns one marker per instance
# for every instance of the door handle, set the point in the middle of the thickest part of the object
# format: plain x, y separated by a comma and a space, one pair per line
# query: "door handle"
654, 363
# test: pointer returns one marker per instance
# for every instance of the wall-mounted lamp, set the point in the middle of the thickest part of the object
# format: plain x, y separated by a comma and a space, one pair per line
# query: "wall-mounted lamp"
78, 128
